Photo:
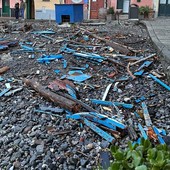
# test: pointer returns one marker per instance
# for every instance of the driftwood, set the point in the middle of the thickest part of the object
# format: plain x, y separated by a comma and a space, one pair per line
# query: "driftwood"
63, 102
143, 59
115, 62
83, 105
118, 47
4, 69
10, 43
130, 73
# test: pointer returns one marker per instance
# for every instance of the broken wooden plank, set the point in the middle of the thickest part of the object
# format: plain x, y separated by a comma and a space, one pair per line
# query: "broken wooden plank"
4, 69
63, 102
115, 62
130, 73
118, 47
106, 91
143, 59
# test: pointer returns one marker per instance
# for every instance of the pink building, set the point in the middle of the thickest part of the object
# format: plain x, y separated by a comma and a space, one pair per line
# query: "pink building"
7, 8
124, 4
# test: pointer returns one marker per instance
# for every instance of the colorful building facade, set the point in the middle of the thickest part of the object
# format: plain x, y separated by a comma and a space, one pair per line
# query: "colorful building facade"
7, 8
45, 9
124, 4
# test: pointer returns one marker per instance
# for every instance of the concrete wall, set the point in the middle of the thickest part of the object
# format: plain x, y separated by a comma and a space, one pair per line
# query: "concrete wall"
143, 3
12, 3
39, 4
156, 7
45, 10
113, 3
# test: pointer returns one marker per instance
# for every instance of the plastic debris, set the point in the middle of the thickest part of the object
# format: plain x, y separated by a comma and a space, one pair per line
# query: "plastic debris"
144, 135
55, 109
45, 112
78, 76
12, 92
47, 58
160, 82
98, 118
8, 87
64, 63
1, 79
142, 98
57, 71
43, 32
109, 103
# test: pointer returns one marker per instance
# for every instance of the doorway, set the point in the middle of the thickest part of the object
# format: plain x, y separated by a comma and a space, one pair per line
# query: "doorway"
94, 8
119, 4
5, 8
30, 9
126, 6
164, 8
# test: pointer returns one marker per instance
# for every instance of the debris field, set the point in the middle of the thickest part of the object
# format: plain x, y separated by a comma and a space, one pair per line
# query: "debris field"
68, 92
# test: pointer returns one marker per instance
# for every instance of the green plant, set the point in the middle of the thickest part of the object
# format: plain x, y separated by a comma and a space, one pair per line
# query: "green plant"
140, 157
110, 10
144, 10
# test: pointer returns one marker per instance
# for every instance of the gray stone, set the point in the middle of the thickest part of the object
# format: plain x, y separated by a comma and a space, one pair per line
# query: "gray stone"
64, 146
17, 141
83, 162
17, 164
71, 167
104, 144
15, 156
73, 160
40, 149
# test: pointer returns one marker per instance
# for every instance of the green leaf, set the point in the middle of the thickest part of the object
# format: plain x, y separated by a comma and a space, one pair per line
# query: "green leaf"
167, 167
119, 156
127, 165
142, 167
162, 147
128, 155
130, 145
142, 141
136, 158
147, 144
114, 149
160, 159
116, 166
151, 153
160, 156
140, 150
155, 168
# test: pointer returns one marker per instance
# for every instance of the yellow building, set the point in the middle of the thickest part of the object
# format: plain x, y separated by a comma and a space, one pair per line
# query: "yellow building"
41, 9
45, 9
